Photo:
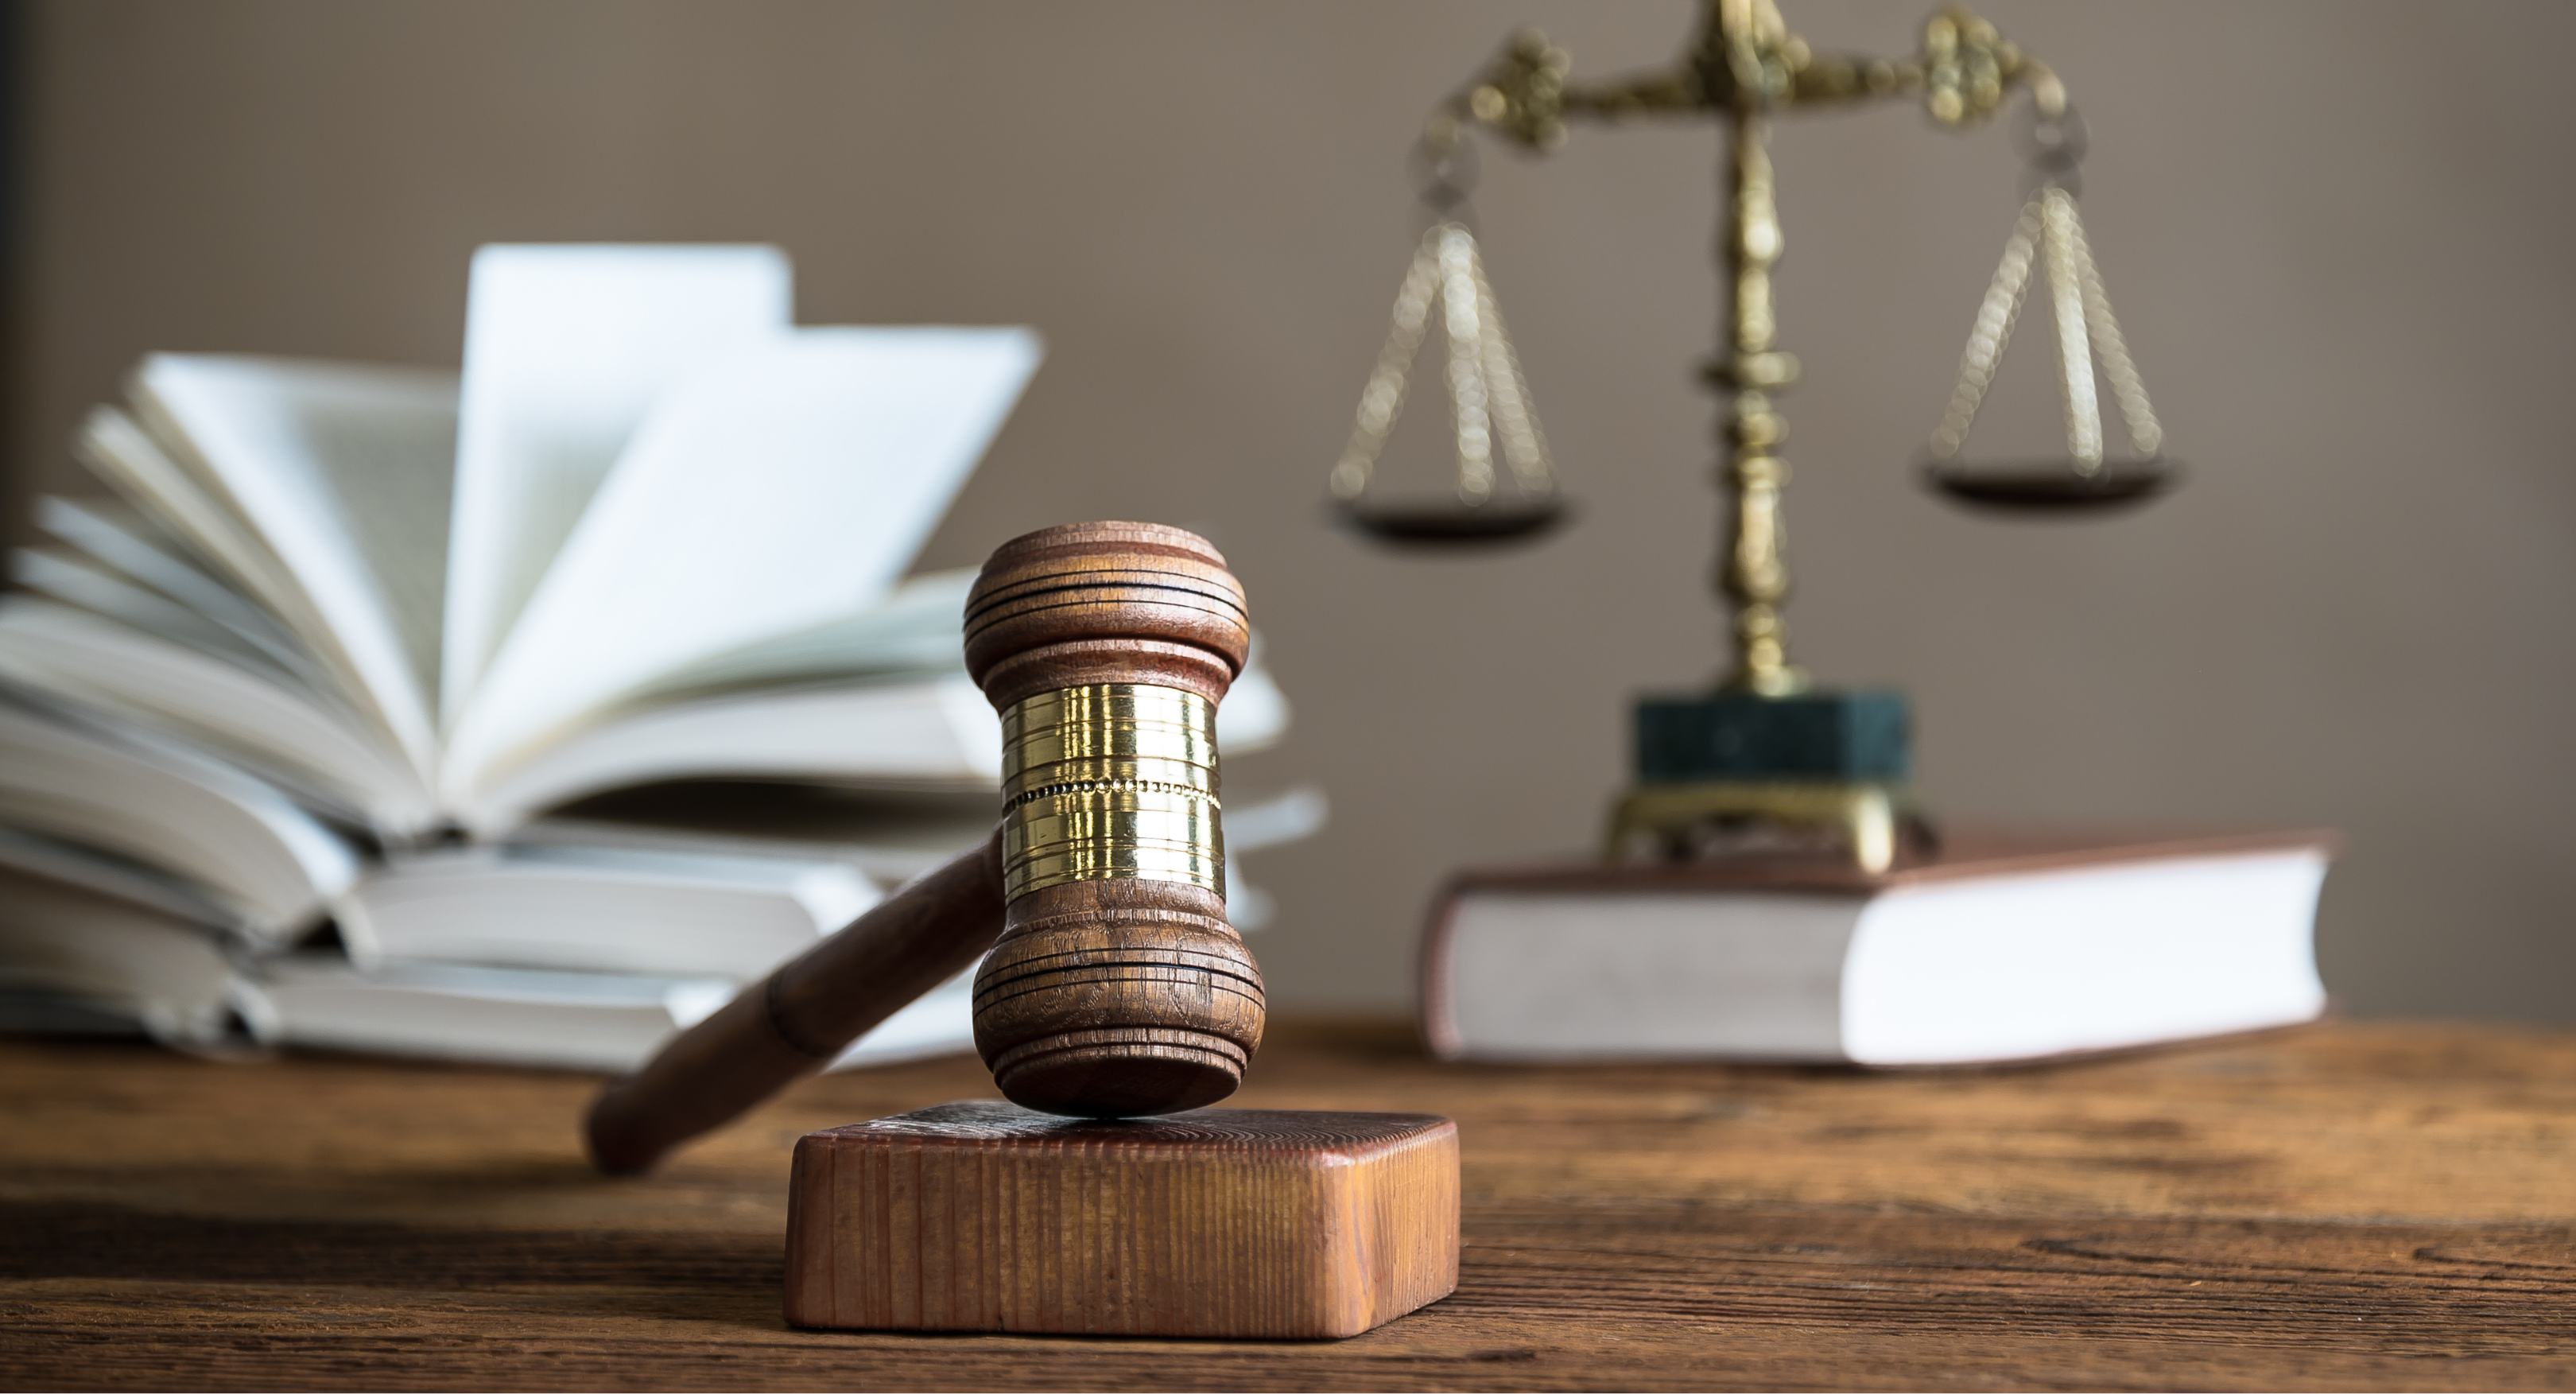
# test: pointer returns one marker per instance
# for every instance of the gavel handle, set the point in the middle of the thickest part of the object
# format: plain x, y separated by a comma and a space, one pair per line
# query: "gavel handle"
798, 1018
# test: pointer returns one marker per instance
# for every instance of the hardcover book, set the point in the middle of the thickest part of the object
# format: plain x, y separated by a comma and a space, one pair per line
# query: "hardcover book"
2005, 947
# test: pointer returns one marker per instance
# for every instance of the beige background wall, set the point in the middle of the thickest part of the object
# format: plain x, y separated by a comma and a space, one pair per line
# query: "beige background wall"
2336, 232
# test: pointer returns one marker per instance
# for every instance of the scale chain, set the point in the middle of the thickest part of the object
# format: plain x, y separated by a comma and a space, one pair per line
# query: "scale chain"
1489, 396
1383, 400
1467, 395
2074, 344
2050, 230
2127, 388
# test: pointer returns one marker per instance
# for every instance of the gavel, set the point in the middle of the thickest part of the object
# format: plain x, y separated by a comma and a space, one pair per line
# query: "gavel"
1116, 987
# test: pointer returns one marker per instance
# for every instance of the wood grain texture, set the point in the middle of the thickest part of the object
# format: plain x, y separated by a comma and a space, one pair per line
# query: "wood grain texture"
1118, 999
1102, 1000
1105, 602
1127, 996
1242, 1223
2359, 1205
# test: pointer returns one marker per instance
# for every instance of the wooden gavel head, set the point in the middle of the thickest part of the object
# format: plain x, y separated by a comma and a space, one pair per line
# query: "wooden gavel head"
1117, 987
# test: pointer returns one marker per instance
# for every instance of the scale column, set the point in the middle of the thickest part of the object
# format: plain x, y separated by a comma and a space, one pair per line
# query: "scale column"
1762, 763
1753, 570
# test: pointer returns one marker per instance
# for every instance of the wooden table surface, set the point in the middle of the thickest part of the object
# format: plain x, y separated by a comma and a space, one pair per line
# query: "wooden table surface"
2358, 1205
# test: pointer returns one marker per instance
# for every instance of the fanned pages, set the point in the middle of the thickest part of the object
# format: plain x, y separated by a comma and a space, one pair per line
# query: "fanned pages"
786, 485
921, 735
269, 862
78, 581
344, 474
257, 719
661, 495
566, 351
124, 539
124, 455
382, 651
913, 632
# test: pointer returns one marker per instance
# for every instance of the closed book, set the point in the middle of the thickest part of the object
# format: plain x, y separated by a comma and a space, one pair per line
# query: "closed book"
661, 913
89, 943
539, 1017
2004, 947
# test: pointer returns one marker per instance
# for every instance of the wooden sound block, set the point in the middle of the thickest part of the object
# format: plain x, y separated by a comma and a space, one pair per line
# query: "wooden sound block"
1224, 1222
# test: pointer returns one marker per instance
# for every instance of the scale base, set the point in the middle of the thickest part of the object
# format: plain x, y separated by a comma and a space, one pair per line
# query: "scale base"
1218, 1222
1741, 736
1739, 773
1875, 824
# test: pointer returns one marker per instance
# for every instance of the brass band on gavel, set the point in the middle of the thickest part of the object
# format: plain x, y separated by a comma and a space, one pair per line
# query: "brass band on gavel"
1117, 987
1109, 781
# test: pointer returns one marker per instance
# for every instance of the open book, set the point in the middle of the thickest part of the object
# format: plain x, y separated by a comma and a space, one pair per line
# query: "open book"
336, 618
426, 602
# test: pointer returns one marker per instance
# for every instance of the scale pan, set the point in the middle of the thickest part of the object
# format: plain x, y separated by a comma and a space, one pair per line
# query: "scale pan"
2052, 486
1453, 524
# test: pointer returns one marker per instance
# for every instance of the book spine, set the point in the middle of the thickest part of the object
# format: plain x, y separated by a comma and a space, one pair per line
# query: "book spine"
1433, 1012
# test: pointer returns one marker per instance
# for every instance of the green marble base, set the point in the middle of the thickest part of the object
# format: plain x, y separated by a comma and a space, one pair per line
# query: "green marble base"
1842, 737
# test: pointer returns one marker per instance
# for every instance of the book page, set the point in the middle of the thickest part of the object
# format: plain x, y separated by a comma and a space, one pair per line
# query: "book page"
344, 473
123, 455
566, 349
124, 540
916, 630
601, 910
930, 734
785, 486
513, 1016
120, 452
129, 881
249, 714
67, 943
77, 581
157, 802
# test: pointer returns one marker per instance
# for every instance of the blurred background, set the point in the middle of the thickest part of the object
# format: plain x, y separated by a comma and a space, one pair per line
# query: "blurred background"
2334, 231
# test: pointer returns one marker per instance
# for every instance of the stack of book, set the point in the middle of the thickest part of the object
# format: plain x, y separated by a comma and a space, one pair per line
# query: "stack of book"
286, 727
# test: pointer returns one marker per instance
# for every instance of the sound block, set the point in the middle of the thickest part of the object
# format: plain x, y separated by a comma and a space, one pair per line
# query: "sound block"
1222, 1222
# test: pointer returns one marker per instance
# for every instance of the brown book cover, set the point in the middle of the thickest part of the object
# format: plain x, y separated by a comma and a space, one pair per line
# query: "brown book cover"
1965, 854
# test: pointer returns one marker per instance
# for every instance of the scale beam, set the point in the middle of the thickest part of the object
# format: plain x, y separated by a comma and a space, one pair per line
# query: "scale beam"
1744, 66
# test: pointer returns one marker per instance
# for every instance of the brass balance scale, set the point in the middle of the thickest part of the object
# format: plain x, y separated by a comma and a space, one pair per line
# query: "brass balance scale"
1766, 762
